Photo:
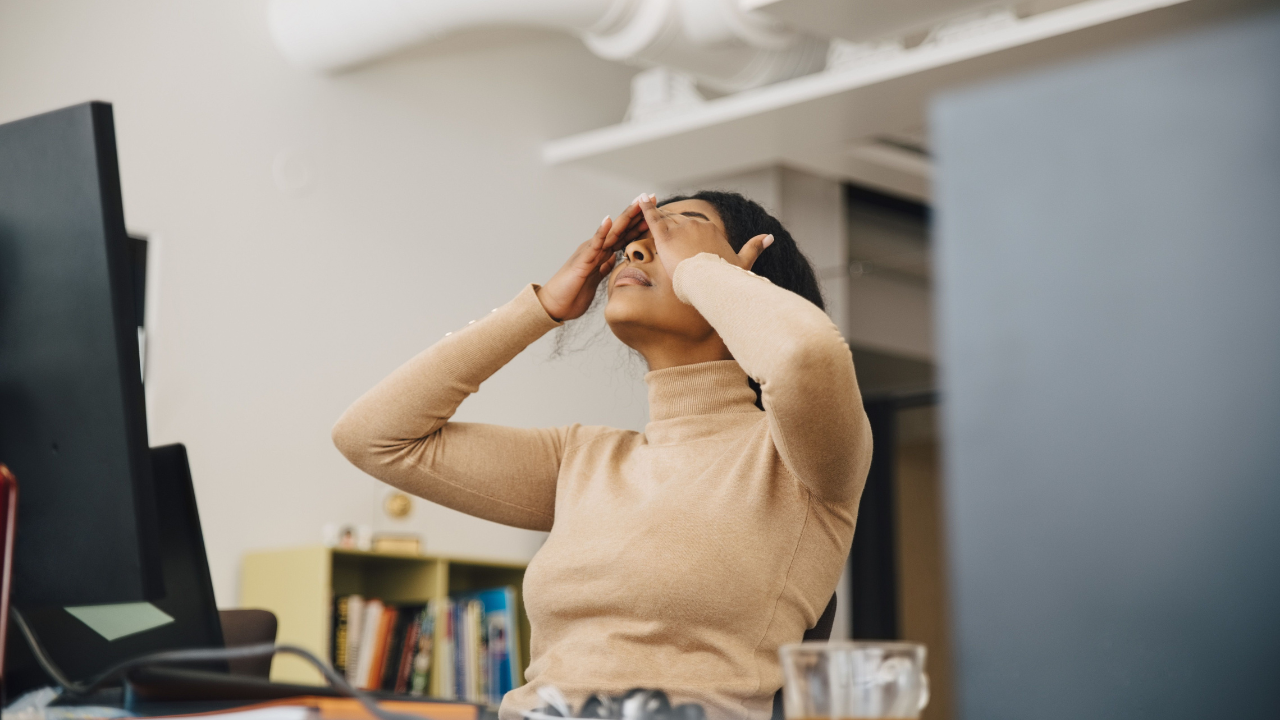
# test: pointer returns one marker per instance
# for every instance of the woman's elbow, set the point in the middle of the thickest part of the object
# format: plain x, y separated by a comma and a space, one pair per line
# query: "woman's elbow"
818, 357
351, 438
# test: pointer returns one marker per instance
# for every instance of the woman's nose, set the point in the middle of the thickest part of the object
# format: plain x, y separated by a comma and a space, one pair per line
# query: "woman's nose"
639, 251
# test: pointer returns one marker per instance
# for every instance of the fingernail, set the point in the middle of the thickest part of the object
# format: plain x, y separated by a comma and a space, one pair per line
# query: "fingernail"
605, 220
768, 240
653, 198
638, 199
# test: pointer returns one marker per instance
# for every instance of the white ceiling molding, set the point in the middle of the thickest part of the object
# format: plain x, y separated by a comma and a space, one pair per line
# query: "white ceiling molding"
717, 42
894, 156
862, 20
817, 122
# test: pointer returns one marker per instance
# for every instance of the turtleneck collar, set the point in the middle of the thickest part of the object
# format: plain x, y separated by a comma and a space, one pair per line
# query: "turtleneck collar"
709, 388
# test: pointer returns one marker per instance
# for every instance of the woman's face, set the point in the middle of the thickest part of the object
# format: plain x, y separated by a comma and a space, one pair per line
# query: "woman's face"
643, 307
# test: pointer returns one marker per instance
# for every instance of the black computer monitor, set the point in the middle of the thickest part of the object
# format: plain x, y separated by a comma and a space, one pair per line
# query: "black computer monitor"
72, 416
186, 617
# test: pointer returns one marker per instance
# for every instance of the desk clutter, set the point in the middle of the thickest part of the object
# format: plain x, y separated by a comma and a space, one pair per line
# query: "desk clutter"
635, 704
384, 646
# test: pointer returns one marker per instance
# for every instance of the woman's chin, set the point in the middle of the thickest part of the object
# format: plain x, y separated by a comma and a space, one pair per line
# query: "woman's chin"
623, 307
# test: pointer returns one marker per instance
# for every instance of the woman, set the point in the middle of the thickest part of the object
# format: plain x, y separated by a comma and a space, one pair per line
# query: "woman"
682, 557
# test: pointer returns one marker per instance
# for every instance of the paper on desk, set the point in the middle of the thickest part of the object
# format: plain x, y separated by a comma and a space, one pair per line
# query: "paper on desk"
276, 712
35, 705
327, 708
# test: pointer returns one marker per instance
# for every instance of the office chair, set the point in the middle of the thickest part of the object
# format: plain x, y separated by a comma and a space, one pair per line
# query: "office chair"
820, 631
242, 627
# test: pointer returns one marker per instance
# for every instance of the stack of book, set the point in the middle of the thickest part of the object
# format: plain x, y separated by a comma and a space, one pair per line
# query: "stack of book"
380, 646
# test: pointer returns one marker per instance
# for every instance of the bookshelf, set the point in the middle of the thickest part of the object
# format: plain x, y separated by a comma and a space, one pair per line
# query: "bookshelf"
299, 585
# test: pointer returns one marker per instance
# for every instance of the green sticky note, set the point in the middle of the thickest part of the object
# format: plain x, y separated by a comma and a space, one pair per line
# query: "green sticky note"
116, 621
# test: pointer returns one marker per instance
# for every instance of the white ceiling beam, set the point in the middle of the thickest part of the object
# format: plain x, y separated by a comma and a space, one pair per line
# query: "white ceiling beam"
860, 20
810, 122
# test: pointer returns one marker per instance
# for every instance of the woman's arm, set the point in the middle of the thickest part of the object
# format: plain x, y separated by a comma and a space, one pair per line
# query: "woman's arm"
783, 341
399, 432
803, 365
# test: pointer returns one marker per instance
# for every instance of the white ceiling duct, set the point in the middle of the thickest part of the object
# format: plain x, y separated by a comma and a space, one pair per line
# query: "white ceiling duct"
717, 42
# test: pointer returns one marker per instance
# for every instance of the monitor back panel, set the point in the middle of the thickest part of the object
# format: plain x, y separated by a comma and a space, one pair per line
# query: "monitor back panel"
186, 617
72, 417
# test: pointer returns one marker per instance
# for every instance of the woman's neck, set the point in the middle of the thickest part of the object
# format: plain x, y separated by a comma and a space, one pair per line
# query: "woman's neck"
676, 352
662, 348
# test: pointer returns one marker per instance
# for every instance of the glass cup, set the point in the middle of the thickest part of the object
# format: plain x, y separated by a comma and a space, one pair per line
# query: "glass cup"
848, 680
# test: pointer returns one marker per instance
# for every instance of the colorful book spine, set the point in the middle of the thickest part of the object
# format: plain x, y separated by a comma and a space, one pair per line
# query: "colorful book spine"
475, 680
459, 625
422, 660
386, 625
447, 687
404, 670
338, 651
463, 647
370, 634
486, 649
355, 633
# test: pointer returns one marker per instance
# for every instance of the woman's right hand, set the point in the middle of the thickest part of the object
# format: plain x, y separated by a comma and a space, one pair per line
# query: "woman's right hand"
568, 294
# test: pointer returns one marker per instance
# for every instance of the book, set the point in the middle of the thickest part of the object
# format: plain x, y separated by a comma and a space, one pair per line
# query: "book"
355, 632
472, 687
502, 644
373, 681
370, 632
444, 684
338, 635
486, 652
463, 647
409, 650
396, 644
420, 682
404, 666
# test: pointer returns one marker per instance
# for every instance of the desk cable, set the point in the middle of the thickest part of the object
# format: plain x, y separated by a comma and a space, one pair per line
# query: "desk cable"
166, 657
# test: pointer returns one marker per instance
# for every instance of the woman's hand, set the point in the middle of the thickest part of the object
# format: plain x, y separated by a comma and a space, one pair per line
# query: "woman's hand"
678, 237
568, 294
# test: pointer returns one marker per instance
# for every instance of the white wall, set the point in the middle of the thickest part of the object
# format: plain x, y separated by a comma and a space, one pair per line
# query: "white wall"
316, 232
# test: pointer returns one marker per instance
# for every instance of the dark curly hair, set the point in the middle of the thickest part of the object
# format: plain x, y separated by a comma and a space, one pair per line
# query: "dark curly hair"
782, 262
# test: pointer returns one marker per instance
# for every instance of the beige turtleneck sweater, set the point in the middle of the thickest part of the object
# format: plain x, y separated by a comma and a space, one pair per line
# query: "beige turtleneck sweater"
678, 558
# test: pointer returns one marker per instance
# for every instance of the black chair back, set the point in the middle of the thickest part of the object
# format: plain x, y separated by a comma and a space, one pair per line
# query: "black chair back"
243, 627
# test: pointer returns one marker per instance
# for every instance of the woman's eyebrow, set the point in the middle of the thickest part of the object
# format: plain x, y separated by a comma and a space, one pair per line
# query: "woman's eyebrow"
691, 213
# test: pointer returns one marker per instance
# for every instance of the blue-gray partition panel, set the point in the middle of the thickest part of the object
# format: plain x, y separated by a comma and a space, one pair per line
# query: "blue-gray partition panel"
1108, 239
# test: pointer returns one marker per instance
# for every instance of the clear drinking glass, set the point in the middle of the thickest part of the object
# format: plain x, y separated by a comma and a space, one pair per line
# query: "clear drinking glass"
848, 680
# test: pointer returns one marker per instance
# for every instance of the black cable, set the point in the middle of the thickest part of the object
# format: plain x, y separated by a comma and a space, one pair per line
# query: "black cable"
42, 658
187, 656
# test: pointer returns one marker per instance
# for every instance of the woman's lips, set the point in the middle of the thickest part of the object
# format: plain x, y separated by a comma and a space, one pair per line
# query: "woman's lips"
632, 276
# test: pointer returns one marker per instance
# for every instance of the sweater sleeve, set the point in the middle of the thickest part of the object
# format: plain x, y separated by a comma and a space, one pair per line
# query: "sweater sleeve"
399, 432
804, 367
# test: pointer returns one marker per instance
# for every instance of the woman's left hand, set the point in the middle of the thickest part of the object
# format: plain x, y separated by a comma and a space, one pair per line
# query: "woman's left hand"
679, 237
